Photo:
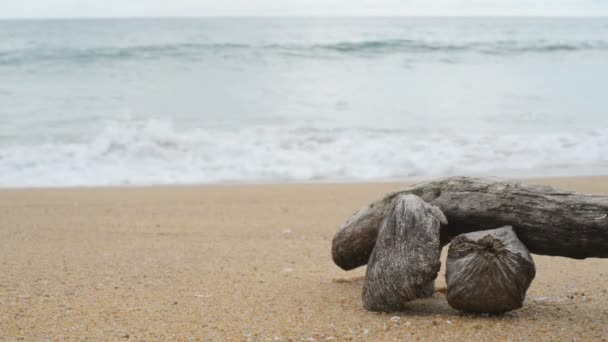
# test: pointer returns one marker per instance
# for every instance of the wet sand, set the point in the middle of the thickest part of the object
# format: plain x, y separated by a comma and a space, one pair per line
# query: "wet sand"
241, 262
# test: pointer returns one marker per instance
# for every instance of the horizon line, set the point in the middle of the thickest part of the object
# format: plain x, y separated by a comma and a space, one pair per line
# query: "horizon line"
300, 16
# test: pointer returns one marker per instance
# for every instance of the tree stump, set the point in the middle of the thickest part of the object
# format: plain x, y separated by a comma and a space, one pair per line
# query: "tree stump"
405, 260
548, 221
488, 271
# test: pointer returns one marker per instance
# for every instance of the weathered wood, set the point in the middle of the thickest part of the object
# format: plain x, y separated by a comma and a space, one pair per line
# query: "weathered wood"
546, 220
405, 260
488, 271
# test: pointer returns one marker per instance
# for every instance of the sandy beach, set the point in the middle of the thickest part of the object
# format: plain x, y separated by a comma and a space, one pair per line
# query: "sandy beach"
246, 262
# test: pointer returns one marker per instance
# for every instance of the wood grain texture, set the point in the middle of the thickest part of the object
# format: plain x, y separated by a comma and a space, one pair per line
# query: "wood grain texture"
488, 271
405, 259
548, 221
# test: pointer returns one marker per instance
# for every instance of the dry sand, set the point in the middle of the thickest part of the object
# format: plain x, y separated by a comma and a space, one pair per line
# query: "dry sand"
237, 263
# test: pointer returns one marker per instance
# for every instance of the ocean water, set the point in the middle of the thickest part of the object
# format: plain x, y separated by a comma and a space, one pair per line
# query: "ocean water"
216, 100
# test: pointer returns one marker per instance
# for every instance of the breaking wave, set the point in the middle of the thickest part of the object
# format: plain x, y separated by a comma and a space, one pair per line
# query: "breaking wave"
155, 152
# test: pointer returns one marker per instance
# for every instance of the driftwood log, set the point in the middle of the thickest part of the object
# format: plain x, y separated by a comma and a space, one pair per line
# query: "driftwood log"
405, 261
488, 271
546, 220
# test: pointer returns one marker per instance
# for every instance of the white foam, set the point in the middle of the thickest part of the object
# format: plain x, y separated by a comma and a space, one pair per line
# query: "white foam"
154, 152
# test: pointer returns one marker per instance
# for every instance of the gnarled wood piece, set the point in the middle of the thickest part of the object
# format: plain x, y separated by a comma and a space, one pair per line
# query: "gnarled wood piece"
488, 271
405, 260
546, 220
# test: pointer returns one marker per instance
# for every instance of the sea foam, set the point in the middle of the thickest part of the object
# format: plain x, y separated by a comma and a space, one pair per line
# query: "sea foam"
156, 152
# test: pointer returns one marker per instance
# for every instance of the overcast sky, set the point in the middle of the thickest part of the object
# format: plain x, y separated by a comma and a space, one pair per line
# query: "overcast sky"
129, 8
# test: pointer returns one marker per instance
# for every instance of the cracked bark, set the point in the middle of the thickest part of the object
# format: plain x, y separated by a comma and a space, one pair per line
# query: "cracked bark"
488, 271
405, 260
546, 220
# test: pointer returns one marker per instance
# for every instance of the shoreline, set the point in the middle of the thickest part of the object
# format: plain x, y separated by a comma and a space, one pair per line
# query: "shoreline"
410, 180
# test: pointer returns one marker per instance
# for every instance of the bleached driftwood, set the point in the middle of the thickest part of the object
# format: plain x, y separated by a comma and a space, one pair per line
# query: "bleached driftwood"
405, 261
546, 220
488, 271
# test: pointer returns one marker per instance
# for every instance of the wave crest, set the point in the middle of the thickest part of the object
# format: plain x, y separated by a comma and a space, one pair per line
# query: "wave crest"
370, 48
155, 152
